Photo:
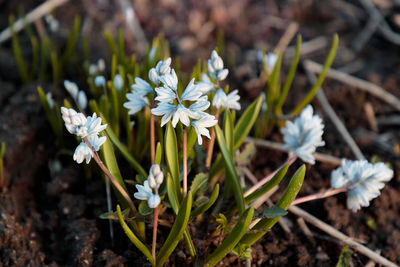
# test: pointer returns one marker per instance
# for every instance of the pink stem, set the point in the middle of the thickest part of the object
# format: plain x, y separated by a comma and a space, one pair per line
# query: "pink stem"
184, 161
328, 193
268, 177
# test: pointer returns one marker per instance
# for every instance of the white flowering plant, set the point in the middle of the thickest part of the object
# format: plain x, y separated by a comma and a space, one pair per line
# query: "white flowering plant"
163, 124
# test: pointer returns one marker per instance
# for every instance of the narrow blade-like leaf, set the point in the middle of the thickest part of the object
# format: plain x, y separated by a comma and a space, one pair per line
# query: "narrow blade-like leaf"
231, 171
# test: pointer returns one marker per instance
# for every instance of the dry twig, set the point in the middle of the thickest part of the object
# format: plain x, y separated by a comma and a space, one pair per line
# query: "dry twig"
325, 158
342, 237
369, 87
32, 16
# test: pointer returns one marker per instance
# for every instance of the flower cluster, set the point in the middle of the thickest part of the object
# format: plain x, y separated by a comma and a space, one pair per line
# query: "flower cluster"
364, 180
173, 107
84, 127
79, 96
304, 135
154, 181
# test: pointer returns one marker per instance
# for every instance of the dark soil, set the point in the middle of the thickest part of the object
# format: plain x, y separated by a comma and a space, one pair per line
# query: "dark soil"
52, 218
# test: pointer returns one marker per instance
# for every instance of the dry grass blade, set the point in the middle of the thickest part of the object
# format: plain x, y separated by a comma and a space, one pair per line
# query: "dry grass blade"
342, 237
335, 119
32, 16
325, 158
369, 87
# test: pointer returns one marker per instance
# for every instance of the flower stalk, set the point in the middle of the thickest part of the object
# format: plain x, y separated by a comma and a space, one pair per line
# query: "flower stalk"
114, 181
328, 193
184, 161
152, 140
269, 177
210, 148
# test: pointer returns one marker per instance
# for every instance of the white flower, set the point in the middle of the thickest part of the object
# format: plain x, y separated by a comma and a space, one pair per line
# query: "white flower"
50, 100
136, 102
72, 88
200, 105
181, 114
164, 109
201, 127
100, 81
82, 99
365, 180
141, 87
215, 66
118, 82
205, 85
83, 152
152, 53
304, 135
96, 142
219, 98
52, 22
191, 92
78, 96
230, 101
145, 193
165, 94
97, 68
93, 125
74, 121
170, 80
156, 176
269, 59
162, 68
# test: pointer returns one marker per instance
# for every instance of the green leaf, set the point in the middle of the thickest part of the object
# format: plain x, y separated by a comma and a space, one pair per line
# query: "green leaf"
328, 62
273, 82
112, 165
191, 141
203, 208
199, 183
158, 154
144, 208
228, 131
246, 122
112, 215
171, 155
172, 196
133, 238
275, 180
231, 171
273, 212
266, 224
290, 76
72, 40
201, 200
177, 230
345, 258
23, 70
232, 239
